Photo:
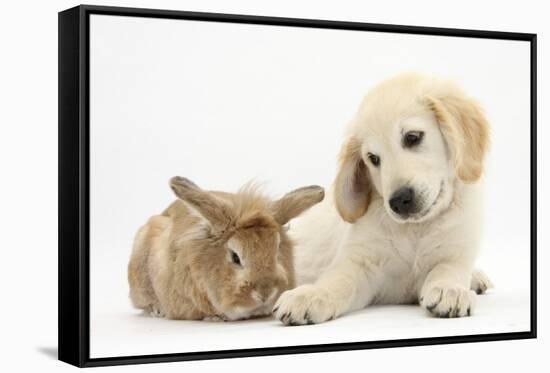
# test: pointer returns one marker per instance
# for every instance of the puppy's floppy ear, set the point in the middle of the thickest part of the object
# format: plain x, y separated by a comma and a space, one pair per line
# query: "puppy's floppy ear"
352, 187
294, 203
204, 203
466, 131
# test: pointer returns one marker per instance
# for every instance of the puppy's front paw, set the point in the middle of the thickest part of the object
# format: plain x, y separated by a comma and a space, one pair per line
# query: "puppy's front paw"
307, 304
448, 301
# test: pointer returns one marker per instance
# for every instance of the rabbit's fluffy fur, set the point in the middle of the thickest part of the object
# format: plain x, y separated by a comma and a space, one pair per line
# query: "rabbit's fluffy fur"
403, 222
215, 255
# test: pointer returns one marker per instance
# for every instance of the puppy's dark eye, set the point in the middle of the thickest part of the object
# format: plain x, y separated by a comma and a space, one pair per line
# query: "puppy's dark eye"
235, 258
412, 138
374, 159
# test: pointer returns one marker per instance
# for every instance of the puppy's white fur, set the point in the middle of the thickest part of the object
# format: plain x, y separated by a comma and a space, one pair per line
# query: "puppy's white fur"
353, 250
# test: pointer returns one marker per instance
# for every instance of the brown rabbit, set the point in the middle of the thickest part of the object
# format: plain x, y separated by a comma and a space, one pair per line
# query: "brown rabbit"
216, 255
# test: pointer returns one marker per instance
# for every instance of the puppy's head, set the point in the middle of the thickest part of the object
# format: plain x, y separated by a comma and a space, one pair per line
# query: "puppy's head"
412, 140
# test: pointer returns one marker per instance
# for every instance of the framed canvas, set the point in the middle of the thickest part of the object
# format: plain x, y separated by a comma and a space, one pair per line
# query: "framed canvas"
234, 186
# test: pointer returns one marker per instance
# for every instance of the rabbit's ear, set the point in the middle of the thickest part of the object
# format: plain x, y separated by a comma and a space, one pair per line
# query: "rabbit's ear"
294, 203
211, 208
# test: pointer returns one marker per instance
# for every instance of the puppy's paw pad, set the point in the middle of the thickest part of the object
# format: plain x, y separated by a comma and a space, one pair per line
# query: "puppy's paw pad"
305, 305
448, 301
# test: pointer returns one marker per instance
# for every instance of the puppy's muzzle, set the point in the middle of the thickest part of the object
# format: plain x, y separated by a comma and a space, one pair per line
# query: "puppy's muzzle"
403, 202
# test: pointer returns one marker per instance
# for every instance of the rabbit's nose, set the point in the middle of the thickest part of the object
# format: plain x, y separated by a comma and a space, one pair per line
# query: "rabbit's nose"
265, 290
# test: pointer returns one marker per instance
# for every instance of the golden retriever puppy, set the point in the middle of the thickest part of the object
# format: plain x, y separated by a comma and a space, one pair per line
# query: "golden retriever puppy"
403, 222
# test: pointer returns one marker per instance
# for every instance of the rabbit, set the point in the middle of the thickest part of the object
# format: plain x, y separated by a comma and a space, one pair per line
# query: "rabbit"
216, 255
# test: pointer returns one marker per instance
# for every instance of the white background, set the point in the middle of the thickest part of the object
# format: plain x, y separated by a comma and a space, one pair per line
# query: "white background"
29, 154
224, 103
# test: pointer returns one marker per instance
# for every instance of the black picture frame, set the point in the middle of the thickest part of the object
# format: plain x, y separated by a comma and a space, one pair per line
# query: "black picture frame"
74, 318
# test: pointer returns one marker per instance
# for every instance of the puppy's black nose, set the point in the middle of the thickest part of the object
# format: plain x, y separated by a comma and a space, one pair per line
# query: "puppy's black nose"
402, 201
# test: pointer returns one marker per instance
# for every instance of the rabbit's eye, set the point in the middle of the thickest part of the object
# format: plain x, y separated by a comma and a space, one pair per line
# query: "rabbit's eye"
235, 258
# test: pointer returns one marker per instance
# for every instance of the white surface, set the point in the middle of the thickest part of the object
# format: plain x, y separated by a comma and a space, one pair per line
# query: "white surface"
225, 103
28, 150
496, 314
